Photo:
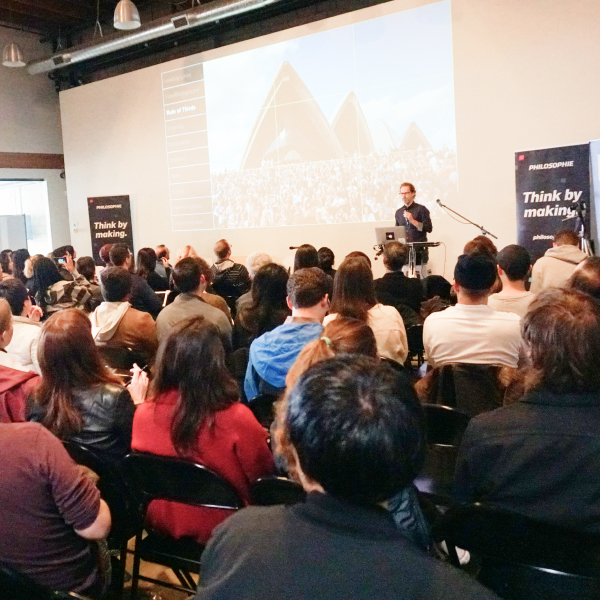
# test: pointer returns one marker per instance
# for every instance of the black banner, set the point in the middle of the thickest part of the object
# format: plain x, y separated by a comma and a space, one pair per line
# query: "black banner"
110, 222
553, 188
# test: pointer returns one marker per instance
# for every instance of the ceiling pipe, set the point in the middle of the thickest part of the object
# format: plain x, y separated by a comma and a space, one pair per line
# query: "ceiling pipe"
160, 28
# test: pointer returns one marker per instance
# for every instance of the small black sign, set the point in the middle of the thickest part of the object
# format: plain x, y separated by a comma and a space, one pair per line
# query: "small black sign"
110, 222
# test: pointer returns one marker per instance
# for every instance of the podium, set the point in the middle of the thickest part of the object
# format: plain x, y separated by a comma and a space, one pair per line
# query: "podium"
415, 270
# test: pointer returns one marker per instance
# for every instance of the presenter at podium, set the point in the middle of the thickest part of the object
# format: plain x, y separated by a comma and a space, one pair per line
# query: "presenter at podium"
415, 218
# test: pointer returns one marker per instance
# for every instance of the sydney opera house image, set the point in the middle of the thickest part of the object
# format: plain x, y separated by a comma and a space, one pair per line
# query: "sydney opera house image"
299, 168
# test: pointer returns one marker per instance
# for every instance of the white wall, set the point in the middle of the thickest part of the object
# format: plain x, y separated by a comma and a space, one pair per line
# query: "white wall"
30, 122
525, 77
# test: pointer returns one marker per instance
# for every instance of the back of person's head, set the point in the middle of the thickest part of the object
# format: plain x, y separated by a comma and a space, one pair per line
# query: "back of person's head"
68, 360
358, 254
255, 261
586, 277
306, 257
307, 287
353, 289
340, 336
326, 258
515, 261
222, 249
191, 361
19, 257
5, 322
566, 237
357, 428
45, 274
561, 331
62, 251
482, 245
162, 252
188, 272
5, 261
15, 293
436, 285
395, 255
115, 284
475, 274
86, 267
104, 253
146, 261
269, 286
185, 252
118, 254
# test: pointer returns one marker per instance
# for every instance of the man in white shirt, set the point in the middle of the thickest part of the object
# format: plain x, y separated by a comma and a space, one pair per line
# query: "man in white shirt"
514, 263
471, 332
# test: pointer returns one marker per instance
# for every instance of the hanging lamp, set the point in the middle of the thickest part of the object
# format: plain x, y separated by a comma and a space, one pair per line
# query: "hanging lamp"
127, 15
12, 56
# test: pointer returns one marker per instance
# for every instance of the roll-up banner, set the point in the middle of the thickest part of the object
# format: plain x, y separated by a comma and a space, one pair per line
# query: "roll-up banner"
553, 193
110, 222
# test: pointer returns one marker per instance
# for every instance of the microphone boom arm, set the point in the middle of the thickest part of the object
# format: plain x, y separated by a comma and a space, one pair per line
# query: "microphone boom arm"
483, 230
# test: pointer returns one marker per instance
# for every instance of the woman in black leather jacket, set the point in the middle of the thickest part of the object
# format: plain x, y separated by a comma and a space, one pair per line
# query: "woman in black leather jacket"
78, 398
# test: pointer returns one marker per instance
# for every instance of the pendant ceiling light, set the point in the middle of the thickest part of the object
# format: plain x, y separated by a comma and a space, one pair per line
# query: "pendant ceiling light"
127, 15
13, 56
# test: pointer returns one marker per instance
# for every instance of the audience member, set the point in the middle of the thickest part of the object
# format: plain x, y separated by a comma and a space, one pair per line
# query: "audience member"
194, 414
514, 264
357, 436
354, 296
255, 261
185, 252
273, 353
558, 263
142, 296
78, 398
306, 257
438, 294
19, 257
6, 262
59, 256
189, 275
146, 269
326, 261
51, 513
267, 308
163, 268
482, 245
116, 323
52, 292
358, 254
395, 288
213, 299
586, 277
538, 456
229, 279
471, 332
104, 254
26, 325
87, 267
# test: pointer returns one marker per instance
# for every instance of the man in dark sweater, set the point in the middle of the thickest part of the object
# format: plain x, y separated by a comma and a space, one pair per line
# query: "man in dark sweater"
356, 435
230, 280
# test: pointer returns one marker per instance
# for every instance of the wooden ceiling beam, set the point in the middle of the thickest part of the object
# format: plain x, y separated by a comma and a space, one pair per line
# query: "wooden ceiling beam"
61, 9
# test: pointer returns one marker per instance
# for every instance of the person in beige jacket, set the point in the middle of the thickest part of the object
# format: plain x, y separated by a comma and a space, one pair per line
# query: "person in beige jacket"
558, 263
116, 323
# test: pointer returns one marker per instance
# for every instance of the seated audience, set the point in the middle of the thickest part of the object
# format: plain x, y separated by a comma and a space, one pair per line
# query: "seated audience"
190, 277
214, 299
116, 323
146, 269
471, 332
59, 256
142, 295
87, 267
586, 277
19, 257
395, 288
558, 263
326, 261
104, 254
481, 245
230, 280
538, 456
273, 353
163, 268
438, 294
254, 262
514, 264
267, 308
78, 398
51, 513
354, 297
52, 292
185, 252
358, 254
194, 414
26, 324
6, 262
357, 438
306, 257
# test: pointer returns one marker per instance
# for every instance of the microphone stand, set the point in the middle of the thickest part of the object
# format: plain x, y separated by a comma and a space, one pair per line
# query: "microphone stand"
483, 230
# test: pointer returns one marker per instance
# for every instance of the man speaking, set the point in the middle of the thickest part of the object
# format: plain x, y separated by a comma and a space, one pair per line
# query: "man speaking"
415, 218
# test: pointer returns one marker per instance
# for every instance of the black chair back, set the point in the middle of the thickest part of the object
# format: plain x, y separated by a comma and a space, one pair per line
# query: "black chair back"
414, 337
268, 491
165, 478
445, 425
523, 558
263, 408
120, 357
16, 586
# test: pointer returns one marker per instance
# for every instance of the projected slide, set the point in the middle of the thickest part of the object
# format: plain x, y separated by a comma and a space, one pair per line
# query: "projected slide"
320, 129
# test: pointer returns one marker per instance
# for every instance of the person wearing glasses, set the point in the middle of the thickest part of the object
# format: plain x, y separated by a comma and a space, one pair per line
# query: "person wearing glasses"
415, 218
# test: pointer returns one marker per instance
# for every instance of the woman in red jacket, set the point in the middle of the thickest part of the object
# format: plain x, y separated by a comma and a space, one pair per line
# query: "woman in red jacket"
194, 413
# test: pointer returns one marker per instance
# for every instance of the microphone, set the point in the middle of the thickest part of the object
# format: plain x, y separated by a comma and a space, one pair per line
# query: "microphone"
438, 201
